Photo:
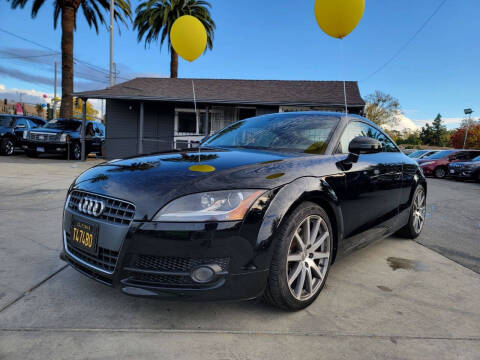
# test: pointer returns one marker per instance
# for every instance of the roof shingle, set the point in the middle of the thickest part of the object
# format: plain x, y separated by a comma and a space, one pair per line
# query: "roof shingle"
259, 92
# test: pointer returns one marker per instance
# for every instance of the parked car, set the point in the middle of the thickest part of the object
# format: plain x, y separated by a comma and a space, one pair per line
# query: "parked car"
62, 136
437, 164
263, 207
465, 170
12, 128
421, 154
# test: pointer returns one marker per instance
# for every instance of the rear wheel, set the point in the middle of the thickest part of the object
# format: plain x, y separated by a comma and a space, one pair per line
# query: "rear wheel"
440, 172
418, 211
6, 147
301, 259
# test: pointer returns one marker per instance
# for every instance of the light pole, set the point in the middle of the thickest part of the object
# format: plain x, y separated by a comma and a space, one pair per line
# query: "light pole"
112, 4
469, 113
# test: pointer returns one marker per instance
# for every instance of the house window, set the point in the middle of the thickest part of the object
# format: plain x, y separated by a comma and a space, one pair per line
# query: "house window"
245, 113
188, 123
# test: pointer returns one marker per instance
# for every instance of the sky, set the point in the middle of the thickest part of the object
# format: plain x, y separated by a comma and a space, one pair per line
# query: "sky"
437, 72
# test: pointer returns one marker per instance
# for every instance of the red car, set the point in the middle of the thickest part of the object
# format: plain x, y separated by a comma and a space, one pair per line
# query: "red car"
437, 164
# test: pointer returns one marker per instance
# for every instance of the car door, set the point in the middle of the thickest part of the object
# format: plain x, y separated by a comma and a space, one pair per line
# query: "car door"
21, 124
97, 137
373, 187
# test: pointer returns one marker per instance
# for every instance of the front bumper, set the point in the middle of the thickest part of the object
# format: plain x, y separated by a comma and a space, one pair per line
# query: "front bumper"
44, 147
157, 259
460, 173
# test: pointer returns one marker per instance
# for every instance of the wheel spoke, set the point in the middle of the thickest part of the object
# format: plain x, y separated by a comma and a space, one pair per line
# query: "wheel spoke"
294, 273
319, 242
306, 231
299, 240
320, 255
315, 269
300, 283
315, 231
294, 257
309, 280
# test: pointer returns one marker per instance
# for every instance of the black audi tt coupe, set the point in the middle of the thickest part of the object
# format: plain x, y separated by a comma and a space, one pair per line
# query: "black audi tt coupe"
261, 208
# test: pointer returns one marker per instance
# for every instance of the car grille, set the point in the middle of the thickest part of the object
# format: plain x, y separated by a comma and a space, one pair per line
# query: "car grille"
116, 211
105, 260
43, 137
180, 269
166, 263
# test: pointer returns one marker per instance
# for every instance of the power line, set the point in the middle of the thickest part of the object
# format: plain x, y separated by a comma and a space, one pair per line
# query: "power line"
404, 46
93, 67
26, 57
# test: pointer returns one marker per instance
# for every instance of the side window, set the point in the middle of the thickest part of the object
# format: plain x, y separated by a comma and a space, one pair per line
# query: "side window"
99, 130
21, 122
358, 128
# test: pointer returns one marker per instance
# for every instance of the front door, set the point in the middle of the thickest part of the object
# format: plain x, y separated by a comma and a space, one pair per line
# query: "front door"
373, 187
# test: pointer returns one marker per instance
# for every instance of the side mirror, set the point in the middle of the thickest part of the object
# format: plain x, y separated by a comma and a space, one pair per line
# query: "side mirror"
364, 145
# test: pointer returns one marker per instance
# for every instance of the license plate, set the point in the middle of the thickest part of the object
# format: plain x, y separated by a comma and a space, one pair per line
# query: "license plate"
84, 236
452, 171
40, 149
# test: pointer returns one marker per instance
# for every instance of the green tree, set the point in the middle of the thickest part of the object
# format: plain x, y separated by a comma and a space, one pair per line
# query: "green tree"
435, 134
381, 108
39, 109
154, 19
92, 113
93, 11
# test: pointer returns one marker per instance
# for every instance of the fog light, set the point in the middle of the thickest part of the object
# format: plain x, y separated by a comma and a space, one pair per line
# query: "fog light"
203, 274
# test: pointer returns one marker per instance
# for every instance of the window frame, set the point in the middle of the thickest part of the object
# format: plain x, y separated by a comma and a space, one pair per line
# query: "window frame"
336, 148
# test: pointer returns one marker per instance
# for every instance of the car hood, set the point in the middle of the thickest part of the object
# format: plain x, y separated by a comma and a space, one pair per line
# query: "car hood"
463, 163
5, 129
152, 181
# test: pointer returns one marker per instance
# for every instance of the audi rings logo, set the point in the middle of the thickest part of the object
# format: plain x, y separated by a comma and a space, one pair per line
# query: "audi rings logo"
91, 206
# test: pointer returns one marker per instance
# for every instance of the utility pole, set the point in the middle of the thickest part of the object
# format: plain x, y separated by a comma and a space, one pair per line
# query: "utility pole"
55, 93
112, 4
469, 113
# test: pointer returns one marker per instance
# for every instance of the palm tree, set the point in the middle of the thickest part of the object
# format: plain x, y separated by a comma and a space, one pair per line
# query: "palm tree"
93, 11
39, 109
155, 18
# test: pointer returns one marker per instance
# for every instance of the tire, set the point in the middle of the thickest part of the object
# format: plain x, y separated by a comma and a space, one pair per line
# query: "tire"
32, 154
7, 147
75, 152
411, 230
440, 172
311, 263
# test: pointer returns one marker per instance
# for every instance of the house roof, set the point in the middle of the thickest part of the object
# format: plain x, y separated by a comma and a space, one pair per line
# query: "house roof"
258, 92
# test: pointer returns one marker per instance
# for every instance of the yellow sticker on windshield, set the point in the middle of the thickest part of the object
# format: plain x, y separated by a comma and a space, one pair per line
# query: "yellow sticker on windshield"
201, 168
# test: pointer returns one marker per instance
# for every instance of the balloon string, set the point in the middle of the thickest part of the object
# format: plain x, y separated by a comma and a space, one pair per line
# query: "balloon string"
196, 115
342, 65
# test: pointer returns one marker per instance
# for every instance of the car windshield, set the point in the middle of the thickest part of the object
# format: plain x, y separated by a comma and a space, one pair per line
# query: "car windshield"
71, 125
476, 158
440, 154
6, 121
416, 153
308, 133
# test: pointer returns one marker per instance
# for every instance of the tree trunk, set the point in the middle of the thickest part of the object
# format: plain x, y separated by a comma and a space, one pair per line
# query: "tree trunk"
68, 26
173, 64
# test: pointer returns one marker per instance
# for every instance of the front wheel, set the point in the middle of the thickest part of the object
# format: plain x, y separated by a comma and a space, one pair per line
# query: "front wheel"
6, 147
301, 258
440, 172
418, 211
75, 152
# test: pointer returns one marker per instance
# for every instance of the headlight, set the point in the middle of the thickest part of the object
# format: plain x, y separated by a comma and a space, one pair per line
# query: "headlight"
25, 134
427, 163
209, 206
64, 138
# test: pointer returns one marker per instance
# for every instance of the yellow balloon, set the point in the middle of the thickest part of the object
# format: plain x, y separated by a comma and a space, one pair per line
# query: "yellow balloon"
188, 37
338, 18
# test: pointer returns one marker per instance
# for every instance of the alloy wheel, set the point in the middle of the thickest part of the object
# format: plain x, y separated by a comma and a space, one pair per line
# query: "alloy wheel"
308, 257
77, 152
440, 172
419, 211
9, 147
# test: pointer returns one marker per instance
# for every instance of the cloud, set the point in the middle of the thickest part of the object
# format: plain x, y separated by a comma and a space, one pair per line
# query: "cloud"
27, 77
448, 122
30, 96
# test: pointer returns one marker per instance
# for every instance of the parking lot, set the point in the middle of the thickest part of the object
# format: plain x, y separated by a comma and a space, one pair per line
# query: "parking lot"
395, 299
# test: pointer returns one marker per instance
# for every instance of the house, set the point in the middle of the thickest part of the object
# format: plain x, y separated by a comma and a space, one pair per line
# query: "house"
146, 115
